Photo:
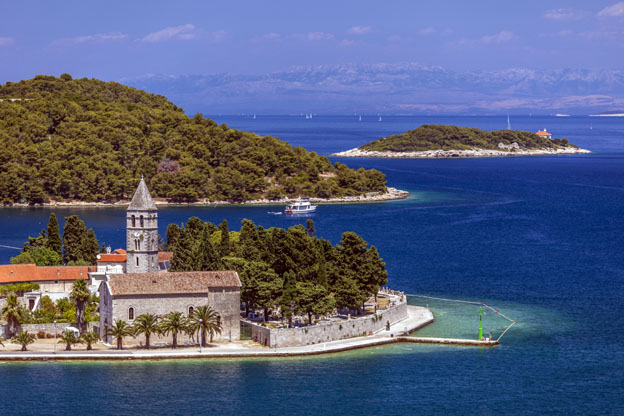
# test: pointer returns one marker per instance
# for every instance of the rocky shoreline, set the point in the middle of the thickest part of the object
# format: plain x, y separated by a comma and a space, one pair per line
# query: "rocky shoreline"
433, 154
390, 195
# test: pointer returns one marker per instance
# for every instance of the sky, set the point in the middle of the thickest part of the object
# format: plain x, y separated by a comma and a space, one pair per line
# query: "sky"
117, 40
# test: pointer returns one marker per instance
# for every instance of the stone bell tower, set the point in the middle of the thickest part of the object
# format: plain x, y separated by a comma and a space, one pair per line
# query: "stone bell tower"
142, 232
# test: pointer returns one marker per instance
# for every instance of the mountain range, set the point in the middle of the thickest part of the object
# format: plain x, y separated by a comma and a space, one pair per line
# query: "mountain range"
408, 88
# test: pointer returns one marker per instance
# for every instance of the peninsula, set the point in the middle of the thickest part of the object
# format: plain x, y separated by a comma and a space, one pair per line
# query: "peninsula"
442, 141
75, 141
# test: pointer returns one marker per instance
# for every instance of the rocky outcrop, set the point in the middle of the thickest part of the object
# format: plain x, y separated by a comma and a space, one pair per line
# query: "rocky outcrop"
503, 150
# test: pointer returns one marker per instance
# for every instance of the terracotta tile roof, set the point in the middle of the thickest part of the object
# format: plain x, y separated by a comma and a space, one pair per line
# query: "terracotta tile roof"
112, 258
119, 251
117, 257
171, 282
16, 273
65, 272
165, 255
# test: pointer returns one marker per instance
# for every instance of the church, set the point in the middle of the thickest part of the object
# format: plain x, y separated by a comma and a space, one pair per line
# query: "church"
135, 281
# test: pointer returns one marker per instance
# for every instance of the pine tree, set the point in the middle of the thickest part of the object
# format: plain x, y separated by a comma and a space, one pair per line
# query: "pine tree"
205, 256
224, 245
173, 234
54, 235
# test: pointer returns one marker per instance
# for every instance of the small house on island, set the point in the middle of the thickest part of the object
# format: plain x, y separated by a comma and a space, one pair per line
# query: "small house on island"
544, 133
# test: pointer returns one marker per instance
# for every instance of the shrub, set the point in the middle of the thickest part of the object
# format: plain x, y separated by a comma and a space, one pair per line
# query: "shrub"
41, 334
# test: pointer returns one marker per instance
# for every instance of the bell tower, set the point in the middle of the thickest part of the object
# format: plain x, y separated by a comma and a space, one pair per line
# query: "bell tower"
142, 232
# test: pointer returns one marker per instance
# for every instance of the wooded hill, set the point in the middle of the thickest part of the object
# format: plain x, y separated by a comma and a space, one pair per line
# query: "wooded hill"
89, 140
443, 137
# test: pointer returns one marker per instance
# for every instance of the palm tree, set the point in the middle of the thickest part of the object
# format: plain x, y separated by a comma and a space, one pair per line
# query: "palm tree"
204, 319
89, 338
119, 330
174, 323
80, 295
146, 324
24, 339
69, 338
12, 311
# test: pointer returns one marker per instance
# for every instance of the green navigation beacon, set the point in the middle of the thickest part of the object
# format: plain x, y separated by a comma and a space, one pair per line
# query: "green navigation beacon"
480, 323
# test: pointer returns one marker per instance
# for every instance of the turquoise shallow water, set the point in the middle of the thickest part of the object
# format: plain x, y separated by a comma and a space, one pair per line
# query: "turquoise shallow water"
540, 238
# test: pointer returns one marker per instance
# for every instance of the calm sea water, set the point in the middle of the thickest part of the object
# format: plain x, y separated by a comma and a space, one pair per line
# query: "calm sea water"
542, 238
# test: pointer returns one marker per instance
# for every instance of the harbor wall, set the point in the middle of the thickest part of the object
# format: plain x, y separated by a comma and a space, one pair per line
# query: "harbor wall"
331, 330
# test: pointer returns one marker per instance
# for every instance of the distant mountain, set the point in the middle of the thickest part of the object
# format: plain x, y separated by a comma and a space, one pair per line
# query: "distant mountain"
393, 88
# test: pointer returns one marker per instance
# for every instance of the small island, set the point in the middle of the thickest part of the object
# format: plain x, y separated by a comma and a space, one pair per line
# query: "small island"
442, 141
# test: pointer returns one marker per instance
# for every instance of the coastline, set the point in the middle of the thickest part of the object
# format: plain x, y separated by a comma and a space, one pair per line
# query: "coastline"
418, 317
472, 153
391, 194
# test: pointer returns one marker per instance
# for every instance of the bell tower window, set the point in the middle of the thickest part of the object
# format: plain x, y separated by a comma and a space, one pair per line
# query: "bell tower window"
133, 221
137, 261
141, 219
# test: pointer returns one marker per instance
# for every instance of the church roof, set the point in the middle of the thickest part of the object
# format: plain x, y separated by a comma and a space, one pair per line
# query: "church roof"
168, 283
142, 200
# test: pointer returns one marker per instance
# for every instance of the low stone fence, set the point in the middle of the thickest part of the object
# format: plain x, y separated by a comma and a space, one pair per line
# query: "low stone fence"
331, 330
35, 329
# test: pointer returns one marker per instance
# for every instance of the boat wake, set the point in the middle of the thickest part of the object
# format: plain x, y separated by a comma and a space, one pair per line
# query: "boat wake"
275, 212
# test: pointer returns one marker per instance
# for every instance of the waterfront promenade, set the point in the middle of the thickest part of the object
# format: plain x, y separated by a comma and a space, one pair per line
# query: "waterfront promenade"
418, 317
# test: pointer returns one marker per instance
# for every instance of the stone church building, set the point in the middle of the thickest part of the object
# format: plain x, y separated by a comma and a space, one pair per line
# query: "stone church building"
146, 289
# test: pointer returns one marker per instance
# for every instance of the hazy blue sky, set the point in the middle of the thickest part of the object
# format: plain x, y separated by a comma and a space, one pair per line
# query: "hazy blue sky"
116, 39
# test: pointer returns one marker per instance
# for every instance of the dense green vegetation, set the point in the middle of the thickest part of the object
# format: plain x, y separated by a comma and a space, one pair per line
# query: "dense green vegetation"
287, 270
79, 246
442, 137
89, 140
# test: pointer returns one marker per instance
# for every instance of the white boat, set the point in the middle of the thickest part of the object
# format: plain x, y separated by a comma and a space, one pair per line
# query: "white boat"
254, 117
301, 206
360, 118
379, 118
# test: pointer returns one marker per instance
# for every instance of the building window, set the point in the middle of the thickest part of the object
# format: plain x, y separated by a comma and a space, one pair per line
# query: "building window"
137, 261
31, 304
131, 313
218, 320
141, 221
190, 311
133, 221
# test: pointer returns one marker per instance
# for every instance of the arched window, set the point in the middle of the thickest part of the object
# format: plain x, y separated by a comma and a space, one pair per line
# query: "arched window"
218, 320
137, 261
133, 221
190, 310
130, 313
141, 218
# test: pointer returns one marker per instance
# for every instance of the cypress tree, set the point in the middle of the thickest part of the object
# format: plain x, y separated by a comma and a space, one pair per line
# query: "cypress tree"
54, 235
74, 235
205, 256
224, 245
90, 247
289, 296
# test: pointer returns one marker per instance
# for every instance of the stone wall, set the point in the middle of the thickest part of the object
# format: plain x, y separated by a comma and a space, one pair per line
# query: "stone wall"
34, 329
326, 331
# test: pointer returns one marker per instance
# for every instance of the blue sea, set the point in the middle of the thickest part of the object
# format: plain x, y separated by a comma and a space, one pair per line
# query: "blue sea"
539, 238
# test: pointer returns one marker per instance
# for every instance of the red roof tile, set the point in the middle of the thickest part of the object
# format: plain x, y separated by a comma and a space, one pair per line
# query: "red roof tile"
165, 255
164, 283
16, 273
112, 258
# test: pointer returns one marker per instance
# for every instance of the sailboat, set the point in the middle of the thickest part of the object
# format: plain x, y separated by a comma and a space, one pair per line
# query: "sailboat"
508, 123
307, 117
379, 118
360, 118
591, 126
254, 117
